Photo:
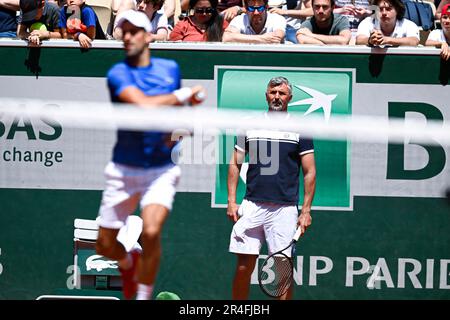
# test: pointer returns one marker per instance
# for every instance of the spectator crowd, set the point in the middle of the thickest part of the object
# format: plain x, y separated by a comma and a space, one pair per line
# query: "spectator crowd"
378, 23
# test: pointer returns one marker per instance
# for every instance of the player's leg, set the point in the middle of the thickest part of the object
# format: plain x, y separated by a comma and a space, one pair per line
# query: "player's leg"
156, 205
110, 223
118, 201
246, 240
108, 245
280, 227
241, 282
288, 295
153, 217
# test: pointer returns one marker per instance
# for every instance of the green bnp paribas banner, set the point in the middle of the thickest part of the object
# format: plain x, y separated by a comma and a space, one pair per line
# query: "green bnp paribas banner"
324, 92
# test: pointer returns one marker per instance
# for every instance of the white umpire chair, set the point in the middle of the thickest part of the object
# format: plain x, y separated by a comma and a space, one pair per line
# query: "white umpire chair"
96, 276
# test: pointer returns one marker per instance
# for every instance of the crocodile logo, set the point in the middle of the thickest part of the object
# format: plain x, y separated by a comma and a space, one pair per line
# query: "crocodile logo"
96, 262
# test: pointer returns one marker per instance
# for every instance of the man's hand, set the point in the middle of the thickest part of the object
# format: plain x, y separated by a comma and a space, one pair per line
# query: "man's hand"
361, 12
304, 219
230, 13
445, 51
348, 9
376, 38
198, 95
232, 211
193, 96
279, 11
34, 40
304, 31
271, 37
84, 40
36, 36
42, 34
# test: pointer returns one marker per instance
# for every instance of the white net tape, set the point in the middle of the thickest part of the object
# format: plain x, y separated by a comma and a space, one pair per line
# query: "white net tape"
66, 145
210, 121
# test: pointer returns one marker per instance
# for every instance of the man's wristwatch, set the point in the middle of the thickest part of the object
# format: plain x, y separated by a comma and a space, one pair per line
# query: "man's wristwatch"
240, 11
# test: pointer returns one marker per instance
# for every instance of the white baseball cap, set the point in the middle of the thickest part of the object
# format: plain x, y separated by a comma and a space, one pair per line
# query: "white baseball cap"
136, 18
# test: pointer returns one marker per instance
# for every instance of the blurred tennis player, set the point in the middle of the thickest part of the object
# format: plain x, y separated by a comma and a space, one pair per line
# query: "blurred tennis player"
269, 210
142, 170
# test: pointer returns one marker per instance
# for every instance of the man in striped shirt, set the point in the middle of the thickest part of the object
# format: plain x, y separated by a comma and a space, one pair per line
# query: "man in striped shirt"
269, 212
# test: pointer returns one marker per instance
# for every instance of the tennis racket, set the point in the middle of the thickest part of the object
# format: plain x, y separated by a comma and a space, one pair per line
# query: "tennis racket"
277, 271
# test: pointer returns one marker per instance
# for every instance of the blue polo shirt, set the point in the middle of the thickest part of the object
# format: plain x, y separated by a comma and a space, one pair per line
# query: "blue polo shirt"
150, 148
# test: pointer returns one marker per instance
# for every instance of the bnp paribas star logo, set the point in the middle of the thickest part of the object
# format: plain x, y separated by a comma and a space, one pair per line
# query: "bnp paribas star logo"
318, 92
318, 100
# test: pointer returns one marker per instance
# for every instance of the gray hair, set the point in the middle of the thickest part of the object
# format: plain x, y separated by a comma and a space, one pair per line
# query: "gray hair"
278, 81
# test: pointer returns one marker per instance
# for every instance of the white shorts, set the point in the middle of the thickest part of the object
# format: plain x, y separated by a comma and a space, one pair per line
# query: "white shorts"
154, 186
263, 221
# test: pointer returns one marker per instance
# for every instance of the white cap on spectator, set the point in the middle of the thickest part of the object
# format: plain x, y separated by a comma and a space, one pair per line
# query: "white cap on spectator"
136, 18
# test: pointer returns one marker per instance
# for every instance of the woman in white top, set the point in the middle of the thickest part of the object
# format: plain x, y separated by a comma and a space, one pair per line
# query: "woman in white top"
440, 38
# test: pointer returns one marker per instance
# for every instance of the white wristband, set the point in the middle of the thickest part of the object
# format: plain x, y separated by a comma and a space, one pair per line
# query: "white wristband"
200, 96
183, 94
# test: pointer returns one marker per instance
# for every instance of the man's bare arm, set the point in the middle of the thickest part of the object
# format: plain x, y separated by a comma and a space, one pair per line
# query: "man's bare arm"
343, 38
22, 32
362, 40
406, 41
161, 35
10, 4
231, 34
133, 95
305, 12
234, 169
309, 179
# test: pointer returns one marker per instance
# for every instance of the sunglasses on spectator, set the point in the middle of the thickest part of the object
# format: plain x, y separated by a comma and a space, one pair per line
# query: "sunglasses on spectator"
204, 10
253, 8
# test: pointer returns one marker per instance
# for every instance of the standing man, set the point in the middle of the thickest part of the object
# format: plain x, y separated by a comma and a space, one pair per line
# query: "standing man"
256, 25
142, 170
269, 210
324, 27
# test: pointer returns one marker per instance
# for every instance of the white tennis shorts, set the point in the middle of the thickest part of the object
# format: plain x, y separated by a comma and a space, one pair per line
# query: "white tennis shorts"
263, 221
154, 186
